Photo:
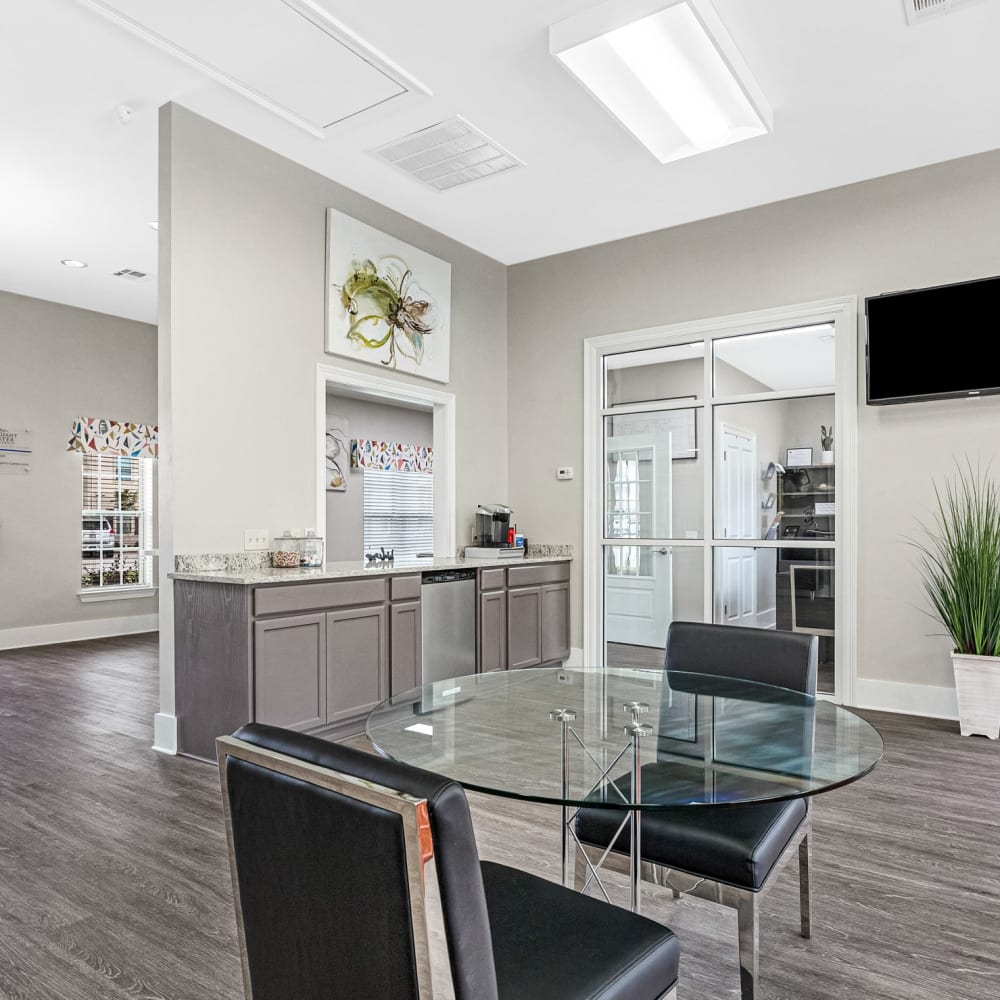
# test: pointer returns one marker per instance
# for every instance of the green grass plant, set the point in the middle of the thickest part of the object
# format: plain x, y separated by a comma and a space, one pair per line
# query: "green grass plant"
960, 560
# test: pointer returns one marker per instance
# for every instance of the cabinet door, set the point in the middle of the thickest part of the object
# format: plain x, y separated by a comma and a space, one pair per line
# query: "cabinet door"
555, 622
404, 646
492, 640
524, 627
357, 661
290, 671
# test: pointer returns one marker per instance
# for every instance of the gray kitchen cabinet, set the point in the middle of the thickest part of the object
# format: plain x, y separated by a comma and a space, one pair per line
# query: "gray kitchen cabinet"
357, 661
404, 646
492, 638
290, 671
555, 621
523, 616
524, 627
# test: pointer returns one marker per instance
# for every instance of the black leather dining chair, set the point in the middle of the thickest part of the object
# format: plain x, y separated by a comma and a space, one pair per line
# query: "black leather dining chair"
357, 876
726, 853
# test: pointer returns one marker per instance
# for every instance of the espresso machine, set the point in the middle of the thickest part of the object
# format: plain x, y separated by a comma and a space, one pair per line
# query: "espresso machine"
492, 526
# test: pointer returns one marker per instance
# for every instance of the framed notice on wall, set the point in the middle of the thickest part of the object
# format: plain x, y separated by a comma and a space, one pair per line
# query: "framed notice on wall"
15, 449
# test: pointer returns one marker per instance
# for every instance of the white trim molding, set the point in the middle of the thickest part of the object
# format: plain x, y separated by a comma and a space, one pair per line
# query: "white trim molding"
391, 391
97, 628
165, 733
927, 700
115, 594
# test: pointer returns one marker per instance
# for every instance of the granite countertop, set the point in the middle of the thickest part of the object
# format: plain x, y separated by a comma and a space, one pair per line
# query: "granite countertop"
251, 576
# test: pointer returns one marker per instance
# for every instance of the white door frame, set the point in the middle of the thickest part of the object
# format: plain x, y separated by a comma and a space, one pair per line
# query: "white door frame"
388, 390
843, 313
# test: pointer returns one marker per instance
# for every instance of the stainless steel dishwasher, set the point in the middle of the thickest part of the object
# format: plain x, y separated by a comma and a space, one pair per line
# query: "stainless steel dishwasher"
448, 624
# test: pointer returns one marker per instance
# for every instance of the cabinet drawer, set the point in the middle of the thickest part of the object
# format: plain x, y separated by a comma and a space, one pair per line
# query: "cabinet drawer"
405, 588
491, 579
531, 576
313, 596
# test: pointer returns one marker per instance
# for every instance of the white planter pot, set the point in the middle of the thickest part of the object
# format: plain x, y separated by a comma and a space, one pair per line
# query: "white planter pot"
826, 457
977, 683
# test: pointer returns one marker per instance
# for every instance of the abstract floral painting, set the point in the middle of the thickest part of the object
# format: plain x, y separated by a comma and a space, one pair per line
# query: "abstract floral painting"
388, 303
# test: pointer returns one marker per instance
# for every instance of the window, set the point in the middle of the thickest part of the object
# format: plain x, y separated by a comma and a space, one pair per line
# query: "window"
399, 512
117, 523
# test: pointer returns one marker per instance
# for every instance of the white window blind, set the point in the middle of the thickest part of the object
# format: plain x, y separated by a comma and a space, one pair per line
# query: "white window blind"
117, 522
399, 512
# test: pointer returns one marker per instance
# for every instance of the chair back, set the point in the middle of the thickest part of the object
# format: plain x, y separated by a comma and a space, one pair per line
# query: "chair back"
326, 857
783, 659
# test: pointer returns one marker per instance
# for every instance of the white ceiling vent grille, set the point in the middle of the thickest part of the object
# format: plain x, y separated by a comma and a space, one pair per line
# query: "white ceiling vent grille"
918, 11
448, 154
130, 274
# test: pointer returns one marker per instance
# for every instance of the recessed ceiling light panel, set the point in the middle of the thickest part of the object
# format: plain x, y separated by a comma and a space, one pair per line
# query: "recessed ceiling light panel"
73, 262
668, 71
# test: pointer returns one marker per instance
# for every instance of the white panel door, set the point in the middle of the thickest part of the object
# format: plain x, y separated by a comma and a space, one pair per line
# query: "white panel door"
638, 578
737, 515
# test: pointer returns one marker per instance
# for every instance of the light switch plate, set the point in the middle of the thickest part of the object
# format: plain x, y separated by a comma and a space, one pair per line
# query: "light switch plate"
256, 540
564, 472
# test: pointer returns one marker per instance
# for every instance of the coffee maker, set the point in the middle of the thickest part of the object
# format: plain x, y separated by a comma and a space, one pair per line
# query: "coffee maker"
492, 525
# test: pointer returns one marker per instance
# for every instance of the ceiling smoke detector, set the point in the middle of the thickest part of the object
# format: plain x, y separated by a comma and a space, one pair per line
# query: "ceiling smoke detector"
448, 154
918, 11
130, 274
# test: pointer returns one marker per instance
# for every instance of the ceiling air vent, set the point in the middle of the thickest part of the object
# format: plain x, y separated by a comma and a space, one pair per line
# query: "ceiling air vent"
130, 274
448, 154
918, 11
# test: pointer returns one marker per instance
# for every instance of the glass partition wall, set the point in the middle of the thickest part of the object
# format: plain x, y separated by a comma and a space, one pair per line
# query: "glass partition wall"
720, 490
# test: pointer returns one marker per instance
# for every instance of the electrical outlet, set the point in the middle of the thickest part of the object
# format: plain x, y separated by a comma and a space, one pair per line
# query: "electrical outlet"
564, 472
256, 540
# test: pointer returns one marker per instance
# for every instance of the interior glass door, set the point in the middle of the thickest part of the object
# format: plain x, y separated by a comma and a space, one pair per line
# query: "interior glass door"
720, 490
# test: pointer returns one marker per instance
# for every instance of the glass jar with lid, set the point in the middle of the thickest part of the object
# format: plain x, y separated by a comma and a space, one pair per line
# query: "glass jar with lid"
285, 554
311, 549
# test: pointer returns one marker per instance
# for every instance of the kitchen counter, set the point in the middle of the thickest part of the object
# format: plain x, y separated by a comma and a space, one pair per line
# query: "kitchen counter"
357, 569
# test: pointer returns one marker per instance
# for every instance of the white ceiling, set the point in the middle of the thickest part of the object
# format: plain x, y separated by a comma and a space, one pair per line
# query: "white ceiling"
855, 92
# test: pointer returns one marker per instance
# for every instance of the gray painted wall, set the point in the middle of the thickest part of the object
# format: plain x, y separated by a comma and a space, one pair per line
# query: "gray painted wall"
923, 227
59, 363
246, 238
379, 422
241, 321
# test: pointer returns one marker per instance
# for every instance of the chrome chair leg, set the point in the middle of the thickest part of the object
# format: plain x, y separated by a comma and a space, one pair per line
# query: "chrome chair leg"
805, 901
746, 918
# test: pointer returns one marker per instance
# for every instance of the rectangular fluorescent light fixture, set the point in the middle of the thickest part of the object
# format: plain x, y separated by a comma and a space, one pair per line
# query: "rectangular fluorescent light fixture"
668, 71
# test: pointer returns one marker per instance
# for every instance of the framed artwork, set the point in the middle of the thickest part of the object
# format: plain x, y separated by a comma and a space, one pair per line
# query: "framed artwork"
338, 453
387, 303
797, 457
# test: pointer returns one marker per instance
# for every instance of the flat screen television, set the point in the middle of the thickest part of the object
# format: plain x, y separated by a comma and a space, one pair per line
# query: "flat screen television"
923, 344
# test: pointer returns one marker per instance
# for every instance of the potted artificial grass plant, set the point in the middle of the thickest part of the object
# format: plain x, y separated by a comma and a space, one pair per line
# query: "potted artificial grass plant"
960, 564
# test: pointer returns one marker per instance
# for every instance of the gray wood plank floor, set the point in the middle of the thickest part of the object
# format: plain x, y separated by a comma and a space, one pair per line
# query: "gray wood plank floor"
114, 882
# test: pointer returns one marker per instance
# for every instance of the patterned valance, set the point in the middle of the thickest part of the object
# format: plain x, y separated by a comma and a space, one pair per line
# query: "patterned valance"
392, 456
97, 435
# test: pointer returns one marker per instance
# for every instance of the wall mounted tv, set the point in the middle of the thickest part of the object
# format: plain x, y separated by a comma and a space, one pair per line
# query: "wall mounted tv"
922, 344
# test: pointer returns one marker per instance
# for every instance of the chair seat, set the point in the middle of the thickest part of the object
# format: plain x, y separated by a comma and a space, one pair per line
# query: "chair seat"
549, 941
734, 844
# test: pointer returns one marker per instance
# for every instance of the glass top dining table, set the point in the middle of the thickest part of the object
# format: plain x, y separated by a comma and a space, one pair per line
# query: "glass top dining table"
635, 741
563, 736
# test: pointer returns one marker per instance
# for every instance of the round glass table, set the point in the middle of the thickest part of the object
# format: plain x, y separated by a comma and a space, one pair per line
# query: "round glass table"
625, 739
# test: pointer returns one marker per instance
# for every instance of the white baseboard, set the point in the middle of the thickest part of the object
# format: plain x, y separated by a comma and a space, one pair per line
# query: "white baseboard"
575, 658
165, 733
97, 628
906, 699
